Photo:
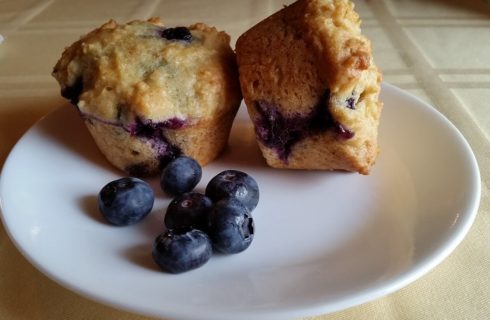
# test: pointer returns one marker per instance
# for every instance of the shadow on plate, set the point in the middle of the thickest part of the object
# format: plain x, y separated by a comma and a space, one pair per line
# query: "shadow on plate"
242, 150
88, 205
140, 255
153, 224
66, 127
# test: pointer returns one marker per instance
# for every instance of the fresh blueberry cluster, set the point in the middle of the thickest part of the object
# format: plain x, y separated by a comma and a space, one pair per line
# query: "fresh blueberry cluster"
220, 218
196, 223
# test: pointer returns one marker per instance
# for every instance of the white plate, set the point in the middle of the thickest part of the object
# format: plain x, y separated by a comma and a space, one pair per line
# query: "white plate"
324, 241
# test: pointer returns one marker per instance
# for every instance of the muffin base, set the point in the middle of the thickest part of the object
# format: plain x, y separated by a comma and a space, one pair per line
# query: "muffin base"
146, 156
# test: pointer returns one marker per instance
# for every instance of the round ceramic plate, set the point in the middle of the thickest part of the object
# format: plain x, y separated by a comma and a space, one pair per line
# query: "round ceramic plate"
324, 241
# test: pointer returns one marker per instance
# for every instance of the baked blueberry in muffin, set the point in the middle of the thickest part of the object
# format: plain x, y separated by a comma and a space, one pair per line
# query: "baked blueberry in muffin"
311, 87
149, 93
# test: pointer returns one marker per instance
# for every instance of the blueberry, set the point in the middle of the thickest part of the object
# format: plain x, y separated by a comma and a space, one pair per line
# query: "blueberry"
125, 201
280, 132
351, 103
155, 135
174, 123
343, 133
230, 226
276, 131
180, 250
181, 175
177, 33
188, 210
236, 184
139, 170
73, 91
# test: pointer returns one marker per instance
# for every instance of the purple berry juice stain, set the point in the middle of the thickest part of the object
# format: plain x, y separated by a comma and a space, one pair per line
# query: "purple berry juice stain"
280, 133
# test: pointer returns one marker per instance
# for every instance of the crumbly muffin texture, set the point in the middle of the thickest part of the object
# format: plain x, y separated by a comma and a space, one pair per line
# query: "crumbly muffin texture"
149, 92
311, 87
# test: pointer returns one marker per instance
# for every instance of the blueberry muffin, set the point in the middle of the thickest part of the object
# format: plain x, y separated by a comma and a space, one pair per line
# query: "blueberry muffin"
149, 93
311, 87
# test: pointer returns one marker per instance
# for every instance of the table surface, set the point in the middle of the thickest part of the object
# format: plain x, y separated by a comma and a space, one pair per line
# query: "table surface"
437, 50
